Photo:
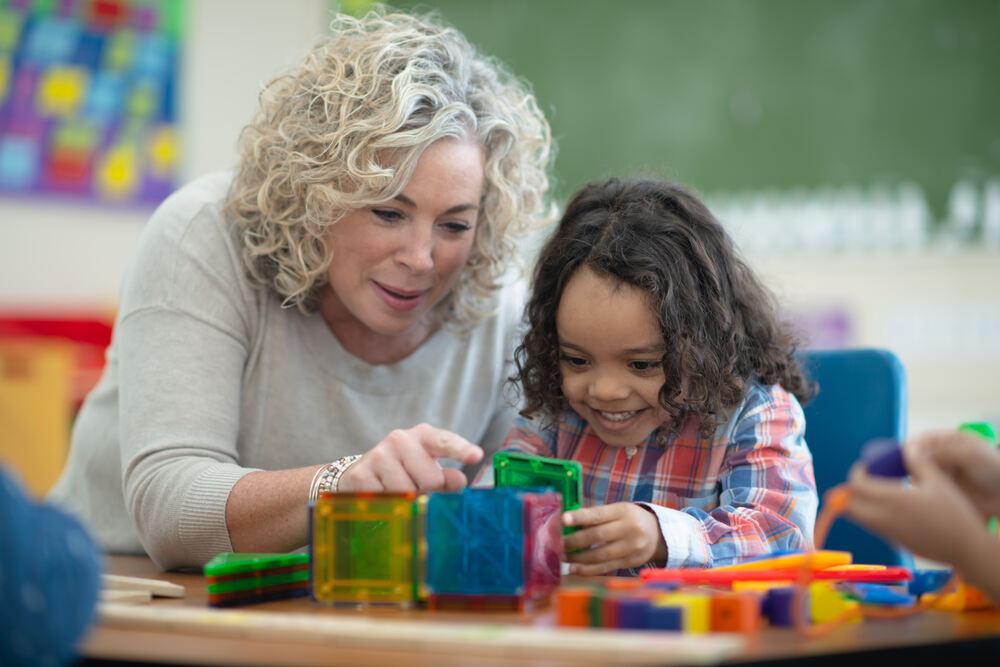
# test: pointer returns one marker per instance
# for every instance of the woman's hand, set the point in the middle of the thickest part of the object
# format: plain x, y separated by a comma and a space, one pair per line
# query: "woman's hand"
613, 537
406, 460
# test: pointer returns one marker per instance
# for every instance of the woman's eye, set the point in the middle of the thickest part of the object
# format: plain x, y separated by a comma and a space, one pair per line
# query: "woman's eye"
388, 214
456, 227
576, 362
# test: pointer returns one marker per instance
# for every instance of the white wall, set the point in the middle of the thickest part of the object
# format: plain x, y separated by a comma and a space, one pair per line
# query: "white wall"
73, 254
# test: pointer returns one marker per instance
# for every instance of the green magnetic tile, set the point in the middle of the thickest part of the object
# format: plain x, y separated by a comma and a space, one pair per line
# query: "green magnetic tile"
234, 563
982, 429
258, 582
520, 470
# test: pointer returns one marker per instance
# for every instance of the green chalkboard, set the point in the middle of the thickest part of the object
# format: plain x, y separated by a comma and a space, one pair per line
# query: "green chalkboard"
754, 94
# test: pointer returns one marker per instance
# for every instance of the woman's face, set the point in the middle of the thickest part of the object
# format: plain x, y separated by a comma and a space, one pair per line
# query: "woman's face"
394, 261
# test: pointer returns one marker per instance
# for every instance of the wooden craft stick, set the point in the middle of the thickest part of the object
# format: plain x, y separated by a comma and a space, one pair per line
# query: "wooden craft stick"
491, 639
132, 597
153, 586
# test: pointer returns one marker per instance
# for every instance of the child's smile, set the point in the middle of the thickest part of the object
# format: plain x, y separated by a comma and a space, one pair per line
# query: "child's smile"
610, 348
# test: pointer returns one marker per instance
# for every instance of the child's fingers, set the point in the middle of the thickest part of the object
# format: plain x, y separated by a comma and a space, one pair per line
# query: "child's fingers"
589, 516
604, 533
599, 560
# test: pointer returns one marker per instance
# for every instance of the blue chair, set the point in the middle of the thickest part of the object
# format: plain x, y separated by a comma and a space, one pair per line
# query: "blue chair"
862, 395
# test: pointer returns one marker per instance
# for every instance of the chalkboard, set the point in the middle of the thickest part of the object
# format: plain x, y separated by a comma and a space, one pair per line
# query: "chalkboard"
756, 94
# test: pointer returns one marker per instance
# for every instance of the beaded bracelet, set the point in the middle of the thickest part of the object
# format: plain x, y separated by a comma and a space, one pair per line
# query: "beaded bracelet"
328, 477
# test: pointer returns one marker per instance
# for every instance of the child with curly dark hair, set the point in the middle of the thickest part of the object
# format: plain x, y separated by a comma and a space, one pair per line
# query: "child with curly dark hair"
655, 358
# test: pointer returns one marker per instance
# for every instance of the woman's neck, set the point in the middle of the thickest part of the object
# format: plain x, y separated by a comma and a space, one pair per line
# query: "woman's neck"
371, 346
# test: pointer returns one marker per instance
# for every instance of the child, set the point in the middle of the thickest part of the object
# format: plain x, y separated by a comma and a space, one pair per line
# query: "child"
954, 484
655, 358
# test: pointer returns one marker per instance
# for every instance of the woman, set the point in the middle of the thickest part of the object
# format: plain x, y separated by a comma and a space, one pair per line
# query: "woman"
346, 296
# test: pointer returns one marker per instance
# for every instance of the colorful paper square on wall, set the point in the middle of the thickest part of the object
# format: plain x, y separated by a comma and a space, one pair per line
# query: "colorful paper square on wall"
88, 99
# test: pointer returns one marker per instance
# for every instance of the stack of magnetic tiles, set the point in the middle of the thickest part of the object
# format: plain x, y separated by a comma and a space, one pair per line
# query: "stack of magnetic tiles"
237, 579
481, 549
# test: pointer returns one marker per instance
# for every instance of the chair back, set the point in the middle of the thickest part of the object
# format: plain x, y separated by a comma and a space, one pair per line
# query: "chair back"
862, 395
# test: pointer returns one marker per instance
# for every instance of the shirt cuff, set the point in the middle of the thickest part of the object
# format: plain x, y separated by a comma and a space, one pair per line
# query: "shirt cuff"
682, 535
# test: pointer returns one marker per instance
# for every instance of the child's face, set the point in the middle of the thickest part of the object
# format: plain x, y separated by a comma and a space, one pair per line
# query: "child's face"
610, 348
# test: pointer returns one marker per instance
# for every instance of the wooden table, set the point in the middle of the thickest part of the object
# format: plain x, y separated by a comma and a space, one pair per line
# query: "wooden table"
970, 638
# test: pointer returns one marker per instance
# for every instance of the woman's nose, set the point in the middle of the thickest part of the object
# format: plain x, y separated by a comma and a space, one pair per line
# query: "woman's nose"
417, 251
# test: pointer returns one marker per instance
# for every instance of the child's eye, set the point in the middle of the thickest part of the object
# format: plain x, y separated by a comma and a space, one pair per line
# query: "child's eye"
575, 362
388, 214
645, 366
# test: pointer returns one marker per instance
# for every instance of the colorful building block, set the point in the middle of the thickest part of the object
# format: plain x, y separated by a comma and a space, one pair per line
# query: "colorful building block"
520, 470
236, 579
696, 609
735, 612
826, 603
573, 606
779, 606
364, 548
632, 613
493, 542
664, 617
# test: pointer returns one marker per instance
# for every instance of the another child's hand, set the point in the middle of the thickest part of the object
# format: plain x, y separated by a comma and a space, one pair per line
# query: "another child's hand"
970, 462
613, 537
933, 517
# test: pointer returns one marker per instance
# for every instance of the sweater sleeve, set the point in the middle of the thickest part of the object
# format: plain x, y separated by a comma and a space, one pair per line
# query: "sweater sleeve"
183, 339
767, 499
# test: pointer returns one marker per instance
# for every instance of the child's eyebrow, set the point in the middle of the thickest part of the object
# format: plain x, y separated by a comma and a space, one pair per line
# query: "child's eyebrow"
656, 348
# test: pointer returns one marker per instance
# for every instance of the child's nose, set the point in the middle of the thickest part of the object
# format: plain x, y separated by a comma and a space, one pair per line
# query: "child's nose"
607, 386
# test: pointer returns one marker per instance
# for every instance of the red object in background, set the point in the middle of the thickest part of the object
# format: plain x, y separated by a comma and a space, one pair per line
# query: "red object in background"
107, 14
90, 331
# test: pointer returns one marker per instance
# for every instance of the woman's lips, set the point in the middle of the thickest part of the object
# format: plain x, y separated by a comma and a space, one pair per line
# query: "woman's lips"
398, 299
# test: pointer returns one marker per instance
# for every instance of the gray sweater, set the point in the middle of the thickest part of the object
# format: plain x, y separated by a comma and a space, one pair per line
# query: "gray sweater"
208, 379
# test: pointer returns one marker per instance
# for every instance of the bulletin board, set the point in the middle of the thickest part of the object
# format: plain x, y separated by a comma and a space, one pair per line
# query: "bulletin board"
88, 99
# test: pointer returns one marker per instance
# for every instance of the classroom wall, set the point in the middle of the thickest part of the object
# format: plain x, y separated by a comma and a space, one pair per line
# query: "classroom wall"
936, 302
59, 254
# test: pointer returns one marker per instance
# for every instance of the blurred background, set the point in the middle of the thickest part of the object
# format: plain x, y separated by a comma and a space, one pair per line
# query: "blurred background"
852, 149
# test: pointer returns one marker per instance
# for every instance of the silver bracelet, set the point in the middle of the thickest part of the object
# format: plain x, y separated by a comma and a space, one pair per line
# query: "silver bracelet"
328, 477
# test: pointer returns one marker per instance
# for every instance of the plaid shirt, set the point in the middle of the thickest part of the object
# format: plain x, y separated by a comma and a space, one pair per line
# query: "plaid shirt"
747, 491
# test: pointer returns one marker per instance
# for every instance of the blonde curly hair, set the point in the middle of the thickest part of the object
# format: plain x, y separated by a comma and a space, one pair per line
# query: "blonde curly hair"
344, 130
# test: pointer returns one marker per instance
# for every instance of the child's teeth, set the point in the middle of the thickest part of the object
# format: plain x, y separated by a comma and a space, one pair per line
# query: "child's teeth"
617, 416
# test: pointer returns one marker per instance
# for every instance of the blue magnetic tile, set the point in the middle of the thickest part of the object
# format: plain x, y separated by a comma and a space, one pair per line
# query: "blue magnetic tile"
19, 162
478, 542
51, 40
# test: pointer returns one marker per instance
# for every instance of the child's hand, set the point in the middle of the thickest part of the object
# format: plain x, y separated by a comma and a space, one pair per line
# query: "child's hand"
613, 537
